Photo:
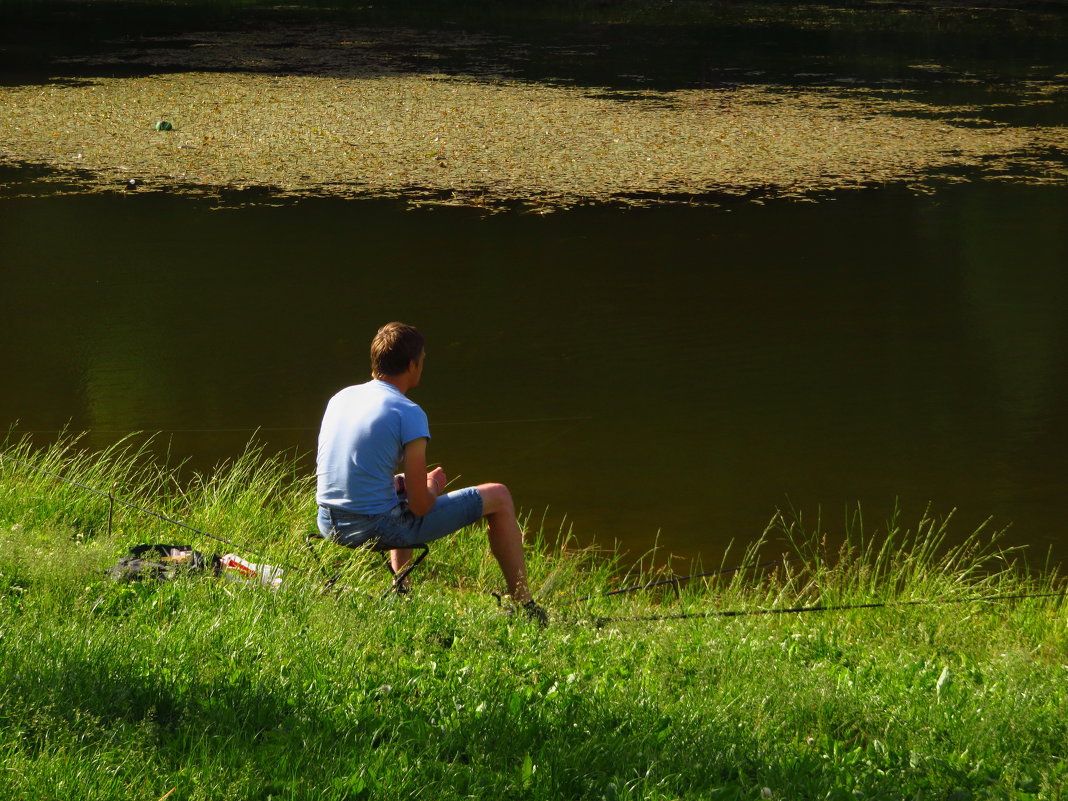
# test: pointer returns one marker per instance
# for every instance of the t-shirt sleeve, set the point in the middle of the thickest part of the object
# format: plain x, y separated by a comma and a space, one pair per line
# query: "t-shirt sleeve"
413, 424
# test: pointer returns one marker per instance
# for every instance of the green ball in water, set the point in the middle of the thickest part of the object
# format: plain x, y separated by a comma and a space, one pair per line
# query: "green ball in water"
163, 125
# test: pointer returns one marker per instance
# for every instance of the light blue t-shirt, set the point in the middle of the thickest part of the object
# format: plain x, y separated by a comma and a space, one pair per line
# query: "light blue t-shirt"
361, 444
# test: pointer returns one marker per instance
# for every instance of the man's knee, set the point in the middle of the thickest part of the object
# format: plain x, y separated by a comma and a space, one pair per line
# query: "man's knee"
496, 498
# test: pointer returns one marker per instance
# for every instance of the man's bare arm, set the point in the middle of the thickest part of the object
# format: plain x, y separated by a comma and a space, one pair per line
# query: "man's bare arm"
422, 489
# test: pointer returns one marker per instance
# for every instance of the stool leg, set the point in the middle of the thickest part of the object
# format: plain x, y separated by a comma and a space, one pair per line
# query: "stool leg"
398, 578
330, 580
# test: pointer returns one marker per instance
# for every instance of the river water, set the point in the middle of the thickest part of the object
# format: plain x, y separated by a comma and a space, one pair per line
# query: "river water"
649, 374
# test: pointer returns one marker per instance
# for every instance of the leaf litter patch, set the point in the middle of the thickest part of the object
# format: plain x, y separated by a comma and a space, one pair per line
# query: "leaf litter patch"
494, 143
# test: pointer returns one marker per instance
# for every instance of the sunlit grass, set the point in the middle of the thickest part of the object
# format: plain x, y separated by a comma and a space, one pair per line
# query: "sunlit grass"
223, 690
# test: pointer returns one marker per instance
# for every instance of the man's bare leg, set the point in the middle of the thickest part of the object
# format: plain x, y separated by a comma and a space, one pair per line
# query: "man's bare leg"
505, 538
399, 558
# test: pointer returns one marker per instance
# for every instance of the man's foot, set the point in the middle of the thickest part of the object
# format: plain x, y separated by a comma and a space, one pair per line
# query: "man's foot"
531, 610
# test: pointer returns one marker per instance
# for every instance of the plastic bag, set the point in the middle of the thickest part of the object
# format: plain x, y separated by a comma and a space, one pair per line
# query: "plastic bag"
238, 569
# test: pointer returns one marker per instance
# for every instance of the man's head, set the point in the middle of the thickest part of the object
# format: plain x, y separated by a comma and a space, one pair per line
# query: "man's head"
393, 350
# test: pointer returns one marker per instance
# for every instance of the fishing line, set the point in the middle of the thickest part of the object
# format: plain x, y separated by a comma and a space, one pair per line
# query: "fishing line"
574, 419
115, 431
277, 429
679, 579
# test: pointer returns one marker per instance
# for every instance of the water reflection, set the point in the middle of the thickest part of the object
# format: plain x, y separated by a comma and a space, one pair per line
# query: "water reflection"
682, 371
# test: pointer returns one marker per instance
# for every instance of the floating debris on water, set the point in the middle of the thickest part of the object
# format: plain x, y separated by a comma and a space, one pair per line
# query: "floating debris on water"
493, 143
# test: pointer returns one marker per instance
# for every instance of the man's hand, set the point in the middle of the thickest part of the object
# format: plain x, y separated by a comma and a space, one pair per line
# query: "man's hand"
436, 481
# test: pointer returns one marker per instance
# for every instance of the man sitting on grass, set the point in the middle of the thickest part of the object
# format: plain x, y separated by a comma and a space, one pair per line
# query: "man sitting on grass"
368, 431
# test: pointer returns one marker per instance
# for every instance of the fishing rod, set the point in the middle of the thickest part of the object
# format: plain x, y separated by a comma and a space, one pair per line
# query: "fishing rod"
113, 499
679, 579
603, 621
597, 621
399, 576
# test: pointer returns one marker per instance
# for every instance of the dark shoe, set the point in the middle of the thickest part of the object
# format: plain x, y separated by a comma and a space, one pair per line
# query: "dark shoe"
536, 613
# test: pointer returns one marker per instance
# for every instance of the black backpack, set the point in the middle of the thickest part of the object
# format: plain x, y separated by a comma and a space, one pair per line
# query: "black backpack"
158, 562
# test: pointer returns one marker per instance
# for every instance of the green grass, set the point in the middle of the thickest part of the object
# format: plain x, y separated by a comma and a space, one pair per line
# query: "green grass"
220, 690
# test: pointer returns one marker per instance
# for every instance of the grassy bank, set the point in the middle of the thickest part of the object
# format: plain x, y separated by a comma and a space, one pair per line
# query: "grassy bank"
216, 689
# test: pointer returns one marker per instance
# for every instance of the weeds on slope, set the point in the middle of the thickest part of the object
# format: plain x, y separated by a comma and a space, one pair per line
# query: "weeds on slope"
217, 689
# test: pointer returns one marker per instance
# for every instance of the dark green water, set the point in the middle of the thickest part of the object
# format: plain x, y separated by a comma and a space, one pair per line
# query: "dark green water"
682, 370
686, 371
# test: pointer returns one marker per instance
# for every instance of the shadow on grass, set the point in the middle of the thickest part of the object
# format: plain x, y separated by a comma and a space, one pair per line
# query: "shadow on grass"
226, 724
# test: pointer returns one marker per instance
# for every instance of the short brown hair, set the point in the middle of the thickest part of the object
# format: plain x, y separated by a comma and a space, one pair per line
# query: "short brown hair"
394, 347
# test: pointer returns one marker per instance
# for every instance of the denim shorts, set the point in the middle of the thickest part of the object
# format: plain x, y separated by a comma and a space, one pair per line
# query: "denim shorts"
399, 527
